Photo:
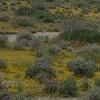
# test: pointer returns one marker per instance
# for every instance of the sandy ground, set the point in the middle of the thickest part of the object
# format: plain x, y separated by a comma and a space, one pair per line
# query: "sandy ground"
12, 37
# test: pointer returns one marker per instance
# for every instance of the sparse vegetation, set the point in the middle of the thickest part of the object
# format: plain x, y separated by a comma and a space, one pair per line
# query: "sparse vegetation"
83, 67
49, 49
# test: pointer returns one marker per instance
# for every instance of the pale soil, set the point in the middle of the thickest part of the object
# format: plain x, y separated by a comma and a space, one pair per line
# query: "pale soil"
12, 37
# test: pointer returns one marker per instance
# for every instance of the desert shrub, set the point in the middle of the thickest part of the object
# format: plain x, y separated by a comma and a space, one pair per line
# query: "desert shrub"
90, 52
3, 64
48, 19
45, 17
24, 35
41, 69
95, 94
97, 82
35, 43
54, 49
22, 41
24, 11
23, 21
77, 29
3, 41
50, 87
68, 88
83, 67
19, 45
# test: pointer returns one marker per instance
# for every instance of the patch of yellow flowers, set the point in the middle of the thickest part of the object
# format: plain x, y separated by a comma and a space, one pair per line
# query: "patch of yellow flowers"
69, 11
66, 11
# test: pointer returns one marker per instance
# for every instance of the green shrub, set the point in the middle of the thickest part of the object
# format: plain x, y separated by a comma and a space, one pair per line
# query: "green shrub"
95, 94
48, 18
68, 88
45, 17
83, 67
24, 11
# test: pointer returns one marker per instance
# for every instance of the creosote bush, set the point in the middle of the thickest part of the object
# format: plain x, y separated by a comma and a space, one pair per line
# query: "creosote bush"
83, 67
